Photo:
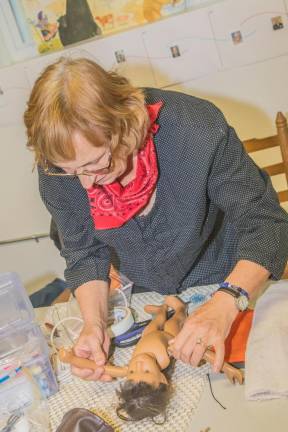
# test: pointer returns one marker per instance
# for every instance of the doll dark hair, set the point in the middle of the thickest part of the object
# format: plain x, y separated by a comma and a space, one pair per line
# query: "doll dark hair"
139, 400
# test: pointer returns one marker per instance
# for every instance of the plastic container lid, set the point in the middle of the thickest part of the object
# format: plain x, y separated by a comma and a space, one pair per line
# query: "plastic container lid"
15, 307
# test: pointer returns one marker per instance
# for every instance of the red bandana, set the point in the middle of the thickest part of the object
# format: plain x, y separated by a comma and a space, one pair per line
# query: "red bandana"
112, 205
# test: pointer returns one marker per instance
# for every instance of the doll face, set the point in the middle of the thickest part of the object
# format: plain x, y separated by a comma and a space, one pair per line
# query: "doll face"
144, 367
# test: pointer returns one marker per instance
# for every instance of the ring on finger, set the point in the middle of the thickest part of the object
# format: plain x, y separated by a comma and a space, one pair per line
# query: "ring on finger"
199, 341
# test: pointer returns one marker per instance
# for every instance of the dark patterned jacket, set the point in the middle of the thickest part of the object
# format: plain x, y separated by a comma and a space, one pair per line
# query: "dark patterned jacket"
213, 207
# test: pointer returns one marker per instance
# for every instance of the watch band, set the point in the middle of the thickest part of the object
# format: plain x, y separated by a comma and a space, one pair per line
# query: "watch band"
234, 293
233, 289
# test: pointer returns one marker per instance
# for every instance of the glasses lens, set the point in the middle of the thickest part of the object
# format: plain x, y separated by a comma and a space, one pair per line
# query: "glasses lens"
101, 171
53, 171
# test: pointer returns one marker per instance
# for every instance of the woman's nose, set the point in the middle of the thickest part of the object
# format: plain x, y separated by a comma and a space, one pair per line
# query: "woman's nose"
87, 181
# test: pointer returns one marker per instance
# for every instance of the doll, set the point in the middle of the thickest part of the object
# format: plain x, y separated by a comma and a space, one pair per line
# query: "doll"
146, 391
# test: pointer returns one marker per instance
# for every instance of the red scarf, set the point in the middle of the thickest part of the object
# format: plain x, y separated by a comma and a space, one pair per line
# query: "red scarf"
113, 205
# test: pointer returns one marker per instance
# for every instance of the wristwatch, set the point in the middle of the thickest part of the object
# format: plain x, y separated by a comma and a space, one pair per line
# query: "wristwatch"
240, 295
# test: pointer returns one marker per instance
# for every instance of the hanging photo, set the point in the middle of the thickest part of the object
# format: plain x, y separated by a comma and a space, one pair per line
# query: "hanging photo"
277, 23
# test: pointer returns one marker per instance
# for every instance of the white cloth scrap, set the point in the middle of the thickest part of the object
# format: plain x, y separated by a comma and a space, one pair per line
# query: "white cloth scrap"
266, 360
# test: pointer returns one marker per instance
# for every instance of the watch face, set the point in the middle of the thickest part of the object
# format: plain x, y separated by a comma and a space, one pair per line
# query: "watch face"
242, 302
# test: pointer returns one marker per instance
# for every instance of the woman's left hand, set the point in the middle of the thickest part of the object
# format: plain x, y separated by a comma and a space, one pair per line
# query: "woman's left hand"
209, 325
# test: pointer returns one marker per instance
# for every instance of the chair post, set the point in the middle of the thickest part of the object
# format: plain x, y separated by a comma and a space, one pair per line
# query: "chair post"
282, 130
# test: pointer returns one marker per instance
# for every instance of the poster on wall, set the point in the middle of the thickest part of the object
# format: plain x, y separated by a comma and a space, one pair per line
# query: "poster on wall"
57, 23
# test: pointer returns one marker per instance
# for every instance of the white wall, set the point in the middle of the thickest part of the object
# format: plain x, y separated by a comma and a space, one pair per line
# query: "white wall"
249, 85
4, 55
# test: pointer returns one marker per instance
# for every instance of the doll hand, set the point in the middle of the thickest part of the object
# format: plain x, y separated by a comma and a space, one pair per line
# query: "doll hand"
93, 343
208, 325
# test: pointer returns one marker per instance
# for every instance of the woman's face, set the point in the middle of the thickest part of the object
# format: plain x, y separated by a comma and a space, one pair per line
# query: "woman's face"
91, 160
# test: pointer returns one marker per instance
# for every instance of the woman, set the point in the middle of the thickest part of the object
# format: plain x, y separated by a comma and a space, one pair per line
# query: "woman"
159, 183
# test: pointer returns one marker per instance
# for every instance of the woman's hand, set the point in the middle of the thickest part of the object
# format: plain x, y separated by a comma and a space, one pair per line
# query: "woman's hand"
208, 325
93, 343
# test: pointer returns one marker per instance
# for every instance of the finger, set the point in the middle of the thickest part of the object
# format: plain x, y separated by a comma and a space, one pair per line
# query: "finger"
106, 378
192, 352
81, 352
197, 354
106, 345
219, 356
99, 355
81, 373
186, 351
182, 339
99, 377
88, 374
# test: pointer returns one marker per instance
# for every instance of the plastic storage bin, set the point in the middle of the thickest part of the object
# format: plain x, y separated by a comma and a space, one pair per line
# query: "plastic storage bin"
16, 392
15, 307
119, 282
22, 343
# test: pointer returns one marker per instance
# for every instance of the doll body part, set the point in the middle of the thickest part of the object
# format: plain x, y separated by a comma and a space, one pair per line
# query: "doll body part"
150, 355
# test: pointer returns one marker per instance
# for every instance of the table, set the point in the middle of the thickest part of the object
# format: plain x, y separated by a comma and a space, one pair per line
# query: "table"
241, 415
206, 414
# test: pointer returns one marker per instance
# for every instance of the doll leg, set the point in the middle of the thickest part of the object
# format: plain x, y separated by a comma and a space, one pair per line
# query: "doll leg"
175, 323
159, 319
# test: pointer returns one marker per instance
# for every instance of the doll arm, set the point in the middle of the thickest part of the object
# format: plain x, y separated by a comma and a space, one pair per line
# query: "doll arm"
159, 318
232, 373
67, 356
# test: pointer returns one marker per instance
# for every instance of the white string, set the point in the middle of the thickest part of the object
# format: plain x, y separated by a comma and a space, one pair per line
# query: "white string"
57, 325
124, 297
64, 374
78, 319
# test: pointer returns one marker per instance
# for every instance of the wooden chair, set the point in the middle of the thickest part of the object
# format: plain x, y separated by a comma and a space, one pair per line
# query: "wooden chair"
278, 140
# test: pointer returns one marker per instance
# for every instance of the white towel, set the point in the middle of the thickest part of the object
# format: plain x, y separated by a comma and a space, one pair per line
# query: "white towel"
266, 360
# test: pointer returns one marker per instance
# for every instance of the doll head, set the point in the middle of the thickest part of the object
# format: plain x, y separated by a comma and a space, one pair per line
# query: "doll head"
146, 391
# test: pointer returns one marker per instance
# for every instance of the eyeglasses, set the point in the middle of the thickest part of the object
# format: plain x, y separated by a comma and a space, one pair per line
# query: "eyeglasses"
100, 171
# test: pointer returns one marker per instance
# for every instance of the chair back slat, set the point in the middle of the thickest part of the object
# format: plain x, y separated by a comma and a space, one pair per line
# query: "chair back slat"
256, 144
283, 195
275, 169
278, 140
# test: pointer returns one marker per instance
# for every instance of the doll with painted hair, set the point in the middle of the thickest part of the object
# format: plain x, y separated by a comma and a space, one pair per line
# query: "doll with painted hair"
146, 391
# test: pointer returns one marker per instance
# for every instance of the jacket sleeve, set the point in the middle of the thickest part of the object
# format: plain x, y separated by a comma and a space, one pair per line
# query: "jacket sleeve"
86, 257
246, 195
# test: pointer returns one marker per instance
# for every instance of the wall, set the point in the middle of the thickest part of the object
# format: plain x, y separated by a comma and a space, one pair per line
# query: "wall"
4, 55
247, 80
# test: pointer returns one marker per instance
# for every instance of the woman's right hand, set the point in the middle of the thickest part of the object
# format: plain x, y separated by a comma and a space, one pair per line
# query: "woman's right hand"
93, 343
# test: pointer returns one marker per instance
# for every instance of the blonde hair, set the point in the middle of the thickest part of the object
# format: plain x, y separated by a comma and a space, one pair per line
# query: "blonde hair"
78, 95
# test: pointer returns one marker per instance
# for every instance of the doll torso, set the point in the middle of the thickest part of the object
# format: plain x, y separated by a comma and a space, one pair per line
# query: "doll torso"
155, 342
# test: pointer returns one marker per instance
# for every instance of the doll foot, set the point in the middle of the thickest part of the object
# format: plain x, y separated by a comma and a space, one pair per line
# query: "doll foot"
154, 310
175, 303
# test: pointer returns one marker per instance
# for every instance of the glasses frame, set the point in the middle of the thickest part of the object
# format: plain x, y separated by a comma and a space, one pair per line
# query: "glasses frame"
100, 171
